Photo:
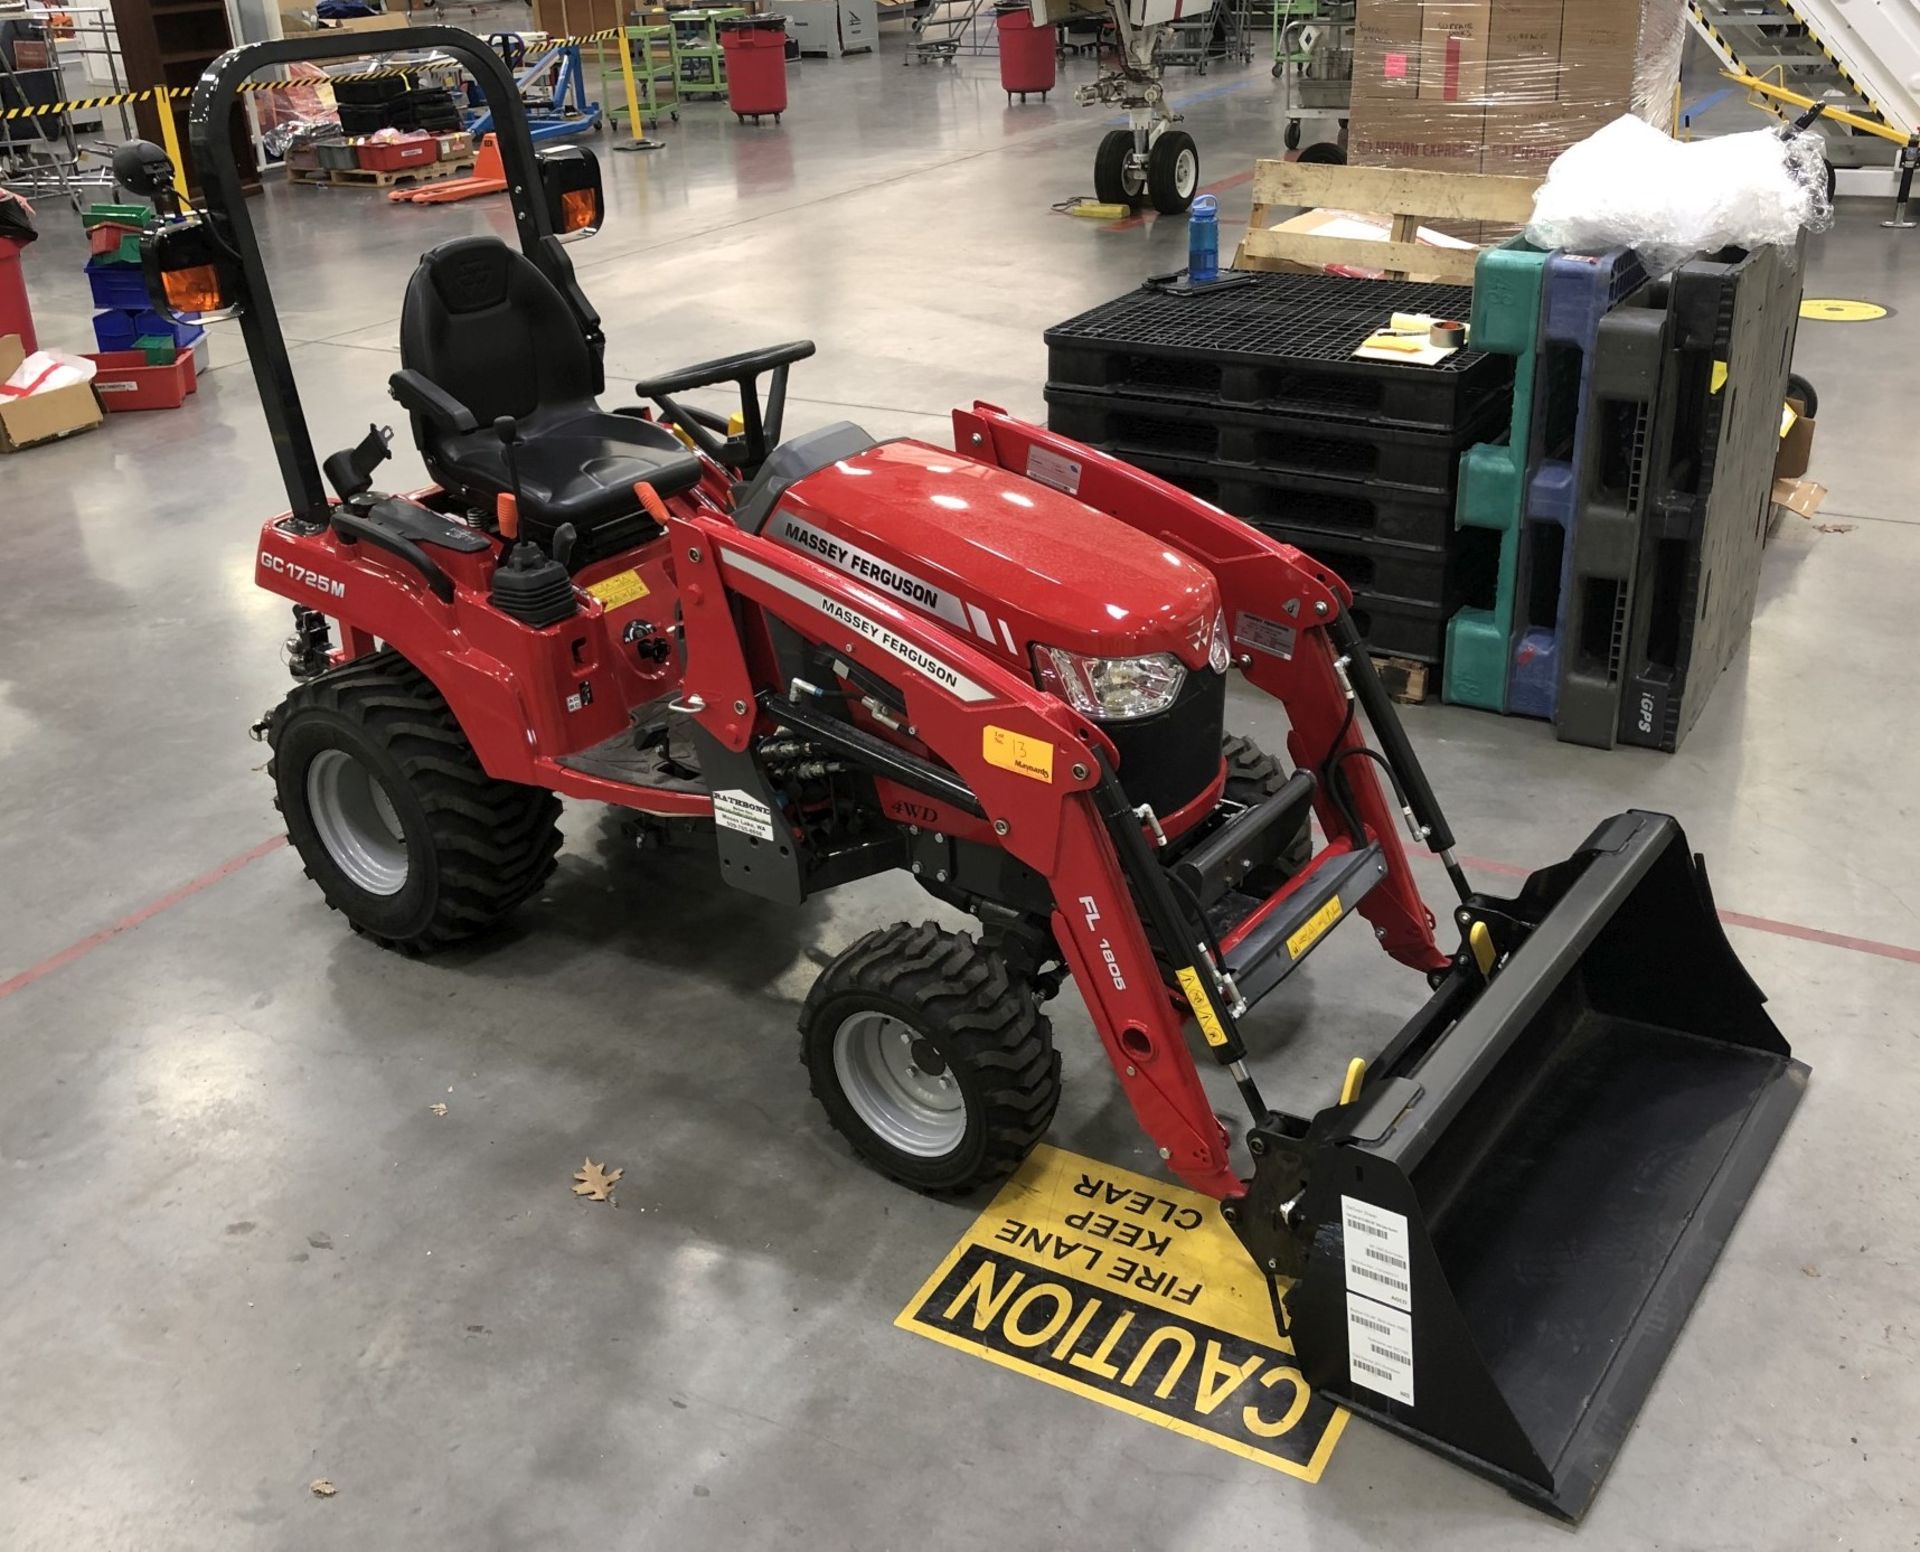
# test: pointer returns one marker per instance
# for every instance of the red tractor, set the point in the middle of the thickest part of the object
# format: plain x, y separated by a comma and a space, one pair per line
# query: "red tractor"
1003, 668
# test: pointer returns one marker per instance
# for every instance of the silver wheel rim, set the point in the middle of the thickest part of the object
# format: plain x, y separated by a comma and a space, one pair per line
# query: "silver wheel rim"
356, 821
1186, 173
889, 1076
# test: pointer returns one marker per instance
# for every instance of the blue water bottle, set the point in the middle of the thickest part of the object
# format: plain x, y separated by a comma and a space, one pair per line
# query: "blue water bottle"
1203, 240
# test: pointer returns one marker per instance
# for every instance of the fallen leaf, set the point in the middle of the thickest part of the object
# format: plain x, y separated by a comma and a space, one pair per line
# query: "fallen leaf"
438, 1109
1810, 1271
596, 1181
320, 1487
1835, 528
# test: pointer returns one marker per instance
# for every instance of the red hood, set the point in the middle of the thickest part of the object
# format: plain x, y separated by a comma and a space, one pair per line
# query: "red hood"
981, 548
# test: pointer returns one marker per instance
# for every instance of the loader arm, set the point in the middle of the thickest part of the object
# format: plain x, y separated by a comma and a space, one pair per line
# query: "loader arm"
960, 702
1284, 614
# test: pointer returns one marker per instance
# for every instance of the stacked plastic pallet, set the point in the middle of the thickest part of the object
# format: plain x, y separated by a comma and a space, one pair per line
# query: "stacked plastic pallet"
1629, 498
127, 321
1252, 398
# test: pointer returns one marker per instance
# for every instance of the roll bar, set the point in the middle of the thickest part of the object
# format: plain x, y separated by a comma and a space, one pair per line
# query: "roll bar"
225, 206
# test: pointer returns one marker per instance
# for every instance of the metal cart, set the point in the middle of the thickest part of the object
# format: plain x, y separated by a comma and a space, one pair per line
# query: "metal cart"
1313, 61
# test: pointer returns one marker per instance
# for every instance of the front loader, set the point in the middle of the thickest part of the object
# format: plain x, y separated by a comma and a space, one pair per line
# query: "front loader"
1002, 669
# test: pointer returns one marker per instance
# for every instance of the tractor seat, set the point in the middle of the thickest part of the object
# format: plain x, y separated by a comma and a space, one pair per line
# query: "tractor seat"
495, 337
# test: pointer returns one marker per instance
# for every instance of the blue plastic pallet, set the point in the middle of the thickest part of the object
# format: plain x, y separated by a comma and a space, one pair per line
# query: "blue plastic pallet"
1579, 291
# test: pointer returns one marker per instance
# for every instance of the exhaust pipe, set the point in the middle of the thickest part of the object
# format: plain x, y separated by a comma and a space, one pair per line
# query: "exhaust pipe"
1497, 1242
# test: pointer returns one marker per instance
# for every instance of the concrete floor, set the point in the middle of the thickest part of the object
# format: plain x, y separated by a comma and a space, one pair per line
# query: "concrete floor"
237, 1251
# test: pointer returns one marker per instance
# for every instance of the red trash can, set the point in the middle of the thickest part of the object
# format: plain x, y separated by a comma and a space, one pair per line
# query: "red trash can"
756, 54
16, 317
1026, 51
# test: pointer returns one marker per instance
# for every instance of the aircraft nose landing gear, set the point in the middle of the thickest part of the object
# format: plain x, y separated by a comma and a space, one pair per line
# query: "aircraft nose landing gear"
1149, 162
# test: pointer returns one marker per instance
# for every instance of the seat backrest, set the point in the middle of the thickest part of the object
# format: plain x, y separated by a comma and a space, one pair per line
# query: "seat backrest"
482, 321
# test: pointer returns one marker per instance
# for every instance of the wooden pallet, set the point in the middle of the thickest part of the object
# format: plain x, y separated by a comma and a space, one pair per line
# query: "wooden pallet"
376, 178
1406, 197
1405, 679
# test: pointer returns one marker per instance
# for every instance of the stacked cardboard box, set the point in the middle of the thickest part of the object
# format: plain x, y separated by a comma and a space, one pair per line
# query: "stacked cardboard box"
1504, 86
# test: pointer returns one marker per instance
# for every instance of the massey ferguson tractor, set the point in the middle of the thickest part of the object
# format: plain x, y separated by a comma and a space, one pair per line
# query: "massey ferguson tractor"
1001, 667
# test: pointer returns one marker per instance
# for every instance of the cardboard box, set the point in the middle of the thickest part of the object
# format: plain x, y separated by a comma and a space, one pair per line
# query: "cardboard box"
1528, 137
1796, 446
1386, 51
41, 417
1453, 50
1523, 51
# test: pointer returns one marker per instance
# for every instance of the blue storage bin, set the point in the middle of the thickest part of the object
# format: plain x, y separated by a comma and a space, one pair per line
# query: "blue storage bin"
116, 284
118, 330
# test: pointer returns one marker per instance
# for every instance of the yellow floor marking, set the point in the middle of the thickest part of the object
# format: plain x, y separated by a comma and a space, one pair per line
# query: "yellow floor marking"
1132, 1293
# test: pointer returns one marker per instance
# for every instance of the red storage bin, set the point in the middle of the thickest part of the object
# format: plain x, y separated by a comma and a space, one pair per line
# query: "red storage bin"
125, 381
756, 53
1026, 53
396, 155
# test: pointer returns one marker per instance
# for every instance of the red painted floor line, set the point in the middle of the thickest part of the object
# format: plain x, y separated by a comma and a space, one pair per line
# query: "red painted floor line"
1206, 188
1905, 955
127, 923
232, 865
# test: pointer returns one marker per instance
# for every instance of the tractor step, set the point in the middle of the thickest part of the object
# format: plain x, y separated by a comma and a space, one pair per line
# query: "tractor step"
644, 754
1272, 946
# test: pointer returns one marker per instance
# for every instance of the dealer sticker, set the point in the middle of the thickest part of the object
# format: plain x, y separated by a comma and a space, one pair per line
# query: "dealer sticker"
1379, 1347
1376, 1252
734, 809
1016, 752
1132, 1293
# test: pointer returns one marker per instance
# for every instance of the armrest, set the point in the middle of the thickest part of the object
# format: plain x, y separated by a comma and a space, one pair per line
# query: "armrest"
419, 394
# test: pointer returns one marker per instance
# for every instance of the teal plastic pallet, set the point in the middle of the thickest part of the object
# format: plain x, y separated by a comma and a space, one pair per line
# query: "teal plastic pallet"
1507, 286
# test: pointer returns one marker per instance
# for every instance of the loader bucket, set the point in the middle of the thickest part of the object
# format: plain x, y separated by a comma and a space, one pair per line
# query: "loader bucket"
1505, 1232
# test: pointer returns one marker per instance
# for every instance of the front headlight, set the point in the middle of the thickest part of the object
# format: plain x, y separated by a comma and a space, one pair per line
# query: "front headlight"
1113, 689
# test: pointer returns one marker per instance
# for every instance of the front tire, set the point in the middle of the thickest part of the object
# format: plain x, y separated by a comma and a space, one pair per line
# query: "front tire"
1253, 776
1173, 172
1114, 183
394, 819
928, 1057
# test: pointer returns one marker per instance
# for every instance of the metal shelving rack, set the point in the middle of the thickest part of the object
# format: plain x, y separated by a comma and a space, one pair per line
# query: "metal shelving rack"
699, 66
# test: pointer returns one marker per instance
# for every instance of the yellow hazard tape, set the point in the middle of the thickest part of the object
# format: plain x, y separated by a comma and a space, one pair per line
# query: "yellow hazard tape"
181, 93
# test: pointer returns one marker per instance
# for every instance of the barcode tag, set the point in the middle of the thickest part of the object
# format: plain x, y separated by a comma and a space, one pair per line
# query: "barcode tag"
1376, 1253
1379, 1347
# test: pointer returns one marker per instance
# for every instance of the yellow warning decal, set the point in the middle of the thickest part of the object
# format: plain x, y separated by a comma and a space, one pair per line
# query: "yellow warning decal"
1011, 751
1719, 377
623, 587
1125, 1290
1313, 929
1202, 1005
1837, 309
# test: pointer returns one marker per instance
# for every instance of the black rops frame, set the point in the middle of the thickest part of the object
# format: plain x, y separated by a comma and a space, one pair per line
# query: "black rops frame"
225, 205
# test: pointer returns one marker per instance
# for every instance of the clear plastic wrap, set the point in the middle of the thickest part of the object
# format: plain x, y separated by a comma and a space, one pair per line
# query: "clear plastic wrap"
1505, 86
1632, 185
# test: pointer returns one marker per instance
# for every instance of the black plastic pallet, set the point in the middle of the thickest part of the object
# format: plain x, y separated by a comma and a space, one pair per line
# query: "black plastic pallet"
1426, 462
1700, 548
1285, 343
1338, 510
1627, 423
1403, 593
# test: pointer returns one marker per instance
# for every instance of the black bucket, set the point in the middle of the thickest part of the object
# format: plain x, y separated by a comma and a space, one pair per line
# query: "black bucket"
1505, 1233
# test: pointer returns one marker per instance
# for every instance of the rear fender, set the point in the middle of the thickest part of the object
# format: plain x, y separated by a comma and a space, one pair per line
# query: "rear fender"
1029, 760
1279, 603
522, 697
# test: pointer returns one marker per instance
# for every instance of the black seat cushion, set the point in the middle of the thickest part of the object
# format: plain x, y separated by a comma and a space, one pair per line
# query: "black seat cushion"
482, 321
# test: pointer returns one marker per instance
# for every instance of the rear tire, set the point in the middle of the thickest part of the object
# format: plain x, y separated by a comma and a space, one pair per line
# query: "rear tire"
394, 819
928, 1057
1325, 154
